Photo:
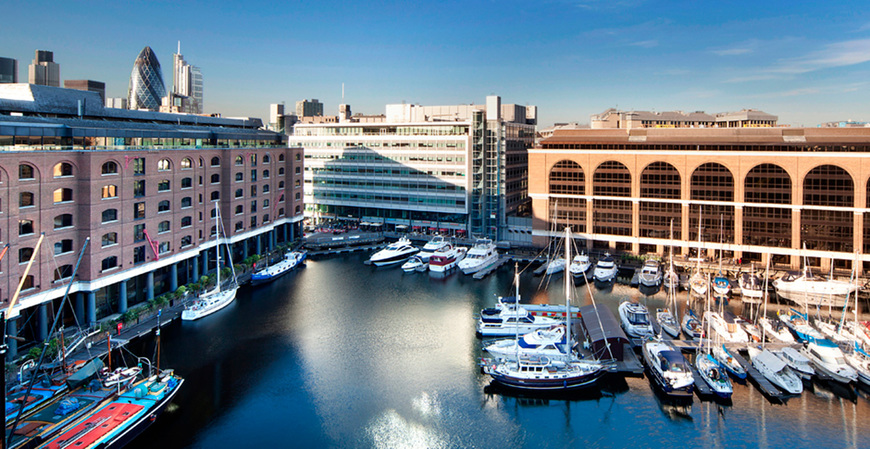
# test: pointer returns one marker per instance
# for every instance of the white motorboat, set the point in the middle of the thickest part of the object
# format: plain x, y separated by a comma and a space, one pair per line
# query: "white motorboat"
650, 273
750, 288
635, 320
556, 265
395, 252
828, 359
833, 332
668, 368
804, 289
605, 269
712, 374
550, 342
438, 243
511, 321
797, 362
446, 258
775, 330
728, 331
220, 296
775, 370
860, 362
291, 260
580, 265
698, 284
415, 263
481, 256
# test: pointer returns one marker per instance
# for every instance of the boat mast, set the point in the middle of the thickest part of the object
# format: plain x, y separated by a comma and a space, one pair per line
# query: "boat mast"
568, 286
766, 279
517, 310
217, 248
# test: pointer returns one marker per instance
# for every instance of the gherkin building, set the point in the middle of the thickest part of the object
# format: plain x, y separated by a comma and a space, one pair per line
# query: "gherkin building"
146, 82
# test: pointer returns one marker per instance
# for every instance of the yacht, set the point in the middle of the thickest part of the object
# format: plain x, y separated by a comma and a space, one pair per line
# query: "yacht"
775, 330
605, 269
691, 325
438, 243
828, 359
668, 368
446, 258
751, 288
712, 374
729, 331
512, 321
797, 362
395, 252
290, 261
797, 323
650, 273
806, 290
556, 265
698, 284
775, 370
415, 263
635, 320
481, 256
671, 279
667, 322
580, 266
721, 286
858, 359
550, 342
724, 357
544, 374
220, 296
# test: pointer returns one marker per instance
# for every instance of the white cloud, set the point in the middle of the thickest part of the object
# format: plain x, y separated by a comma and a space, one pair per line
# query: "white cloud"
645, 44
839, 54
733, 51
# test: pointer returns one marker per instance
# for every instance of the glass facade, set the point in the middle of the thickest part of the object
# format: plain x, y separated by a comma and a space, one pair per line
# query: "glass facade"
146, 87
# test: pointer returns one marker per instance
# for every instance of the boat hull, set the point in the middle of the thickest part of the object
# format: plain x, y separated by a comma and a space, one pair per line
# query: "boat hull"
144, 422
190, 315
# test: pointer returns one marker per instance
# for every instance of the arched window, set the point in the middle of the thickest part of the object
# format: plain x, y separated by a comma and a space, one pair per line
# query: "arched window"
186, 222
239, 226
63, 272
215, 178
109, 239
239, 193
266, 159
109, 191
240, 176
24, 254
281, 185
611, 216
109, 168
25, 199
110, 215
62, 247
281, 212
215, 161
712, 182
213, 231
280, 158
163, 186
827, 229
164, 165
28, 283
767, 226
266, 188
25, 227
186, 164
186, 241
216, 195
186, 202
109, 263
660, 180
239, 209
298, 209
299, 156
62, 195
163, 206
25, 172
280, 171
63, 221
266, 218
163, 226
298, 196
186, 183
265, 174
63, 169
240, 160
212, 213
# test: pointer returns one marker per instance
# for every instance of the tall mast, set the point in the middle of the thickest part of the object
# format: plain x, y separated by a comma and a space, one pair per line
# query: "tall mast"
217, 248
568, 243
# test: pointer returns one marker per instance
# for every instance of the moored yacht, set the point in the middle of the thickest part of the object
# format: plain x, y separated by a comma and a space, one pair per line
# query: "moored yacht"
668, 368
751, 288
798, 324
828, 359
481, 256
605, 269
775, 370
446, 258
415, 263
729, 331
650, 273
712, 374
438, 243
544, 374
635, 320
290, 261
691, 325
797, 362
512, 321
550, 342
219, 297
775, 330
395, 252
807, 290
556, 265
580, 265
667, 322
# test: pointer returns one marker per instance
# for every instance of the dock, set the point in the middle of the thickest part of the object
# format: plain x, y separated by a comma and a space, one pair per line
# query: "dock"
701, 387
488, 270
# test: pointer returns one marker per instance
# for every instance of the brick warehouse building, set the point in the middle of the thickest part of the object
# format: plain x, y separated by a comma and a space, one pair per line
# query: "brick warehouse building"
770, 190
142, 186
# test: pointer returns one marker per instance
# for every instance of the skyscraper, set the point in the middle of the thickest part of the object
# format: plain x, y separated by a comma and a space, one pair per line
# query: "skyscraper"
146, 82
89, 85
309, 108
43, 69
8, 70
187, 81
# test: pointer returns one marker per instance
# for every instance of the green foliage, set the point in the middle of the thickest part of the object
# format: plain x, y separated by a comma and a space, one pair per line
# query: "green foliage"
181, 292
129, 315
225, 272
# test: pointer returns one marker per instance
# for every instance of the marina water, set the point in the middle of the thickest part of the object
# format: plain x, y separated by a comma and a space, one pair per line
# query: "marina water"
340, 354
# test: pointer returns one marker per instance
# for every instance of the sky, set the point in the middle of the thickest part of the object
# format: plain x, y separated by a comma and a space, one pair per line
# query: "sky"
806, 62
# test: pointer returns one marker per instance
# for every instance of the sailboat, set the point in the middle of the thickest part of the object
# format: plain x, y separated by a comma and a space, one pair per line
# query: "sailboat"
698, 283
541, 373
773, 330
665, 317
711, 371
856, 357
556, 263
219, 297
691, 325
750, 287
721, 284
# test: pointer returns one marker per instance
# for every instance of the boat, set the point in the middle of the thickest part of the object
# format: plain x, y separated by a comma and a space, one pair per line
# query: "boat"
219, 297
395, 252
580, 265
775, 330
547, 310
691, 325
605, 269
446, 258
775, 370
828, 359
797, 362
669, 369
752, 331
510, 321
721, 284
550, 342
635, 320
119, 375
650, 273
667, 319
798, 324
698, 283
415, 263
859, 360
667, 322
750, 288
804, 289
437, 243
481, 256
728, 330
291, 260
724, 357
556, 265
832, 331
712, 374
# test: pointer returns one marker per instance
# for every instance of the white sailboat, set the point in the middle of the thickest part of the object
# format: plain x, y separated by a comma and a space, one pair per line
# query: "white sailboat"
219, 297
711, 371
698, 284
665, 317
773, 330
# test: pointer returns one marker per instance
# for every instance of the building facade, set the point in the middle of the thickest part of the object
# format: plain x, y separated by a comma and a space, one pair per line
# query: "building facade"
8, 70
142, 187
88, 85
457, 169
746, 118
796, 194
309, 108
43, 70
146, 88
187, 82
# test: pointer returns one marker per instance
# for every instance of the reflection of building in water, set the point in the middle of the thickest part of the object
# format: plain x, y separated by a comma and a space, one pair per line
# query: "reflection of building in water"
758, 191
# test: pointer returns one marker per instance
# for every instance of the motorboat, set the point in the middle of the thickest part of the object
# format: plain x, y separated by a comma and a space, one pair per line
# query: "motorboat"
861, 333
220, 296
669, 369
667, 322
775, 370
438, 243
605, 269
635, 320
797, 362
798, 324
859, 360
580, 265
804, 289
775, 330
691, 325
548, 310
415, 263
555, 265
508, 322
833, 332
120, 375
545, 374
291, 260
828, 359
728, 331
481, 256
446, 258
751, 288
712, 374
723, 355
550, 342
395, 252
650, 273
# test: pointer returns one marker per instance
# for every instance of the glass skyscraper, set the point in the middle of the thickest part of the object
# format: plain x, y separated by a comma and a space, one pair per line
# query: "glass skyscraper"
146, 82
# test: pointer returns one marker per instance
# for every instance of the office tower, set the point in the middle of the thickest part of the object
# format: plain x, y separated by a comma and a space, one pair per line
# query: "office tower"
43, 70
187, 81
146, 82
8, 70
89, 85
309, 108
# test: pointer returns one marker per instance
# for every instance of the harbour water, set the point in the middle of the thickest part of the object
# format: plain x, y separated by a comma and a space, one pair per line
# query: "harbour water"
340, 354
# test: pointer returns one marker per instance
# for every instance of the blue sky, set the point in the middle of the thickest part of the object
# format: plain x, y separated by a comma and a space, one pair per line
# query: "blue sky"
806, 62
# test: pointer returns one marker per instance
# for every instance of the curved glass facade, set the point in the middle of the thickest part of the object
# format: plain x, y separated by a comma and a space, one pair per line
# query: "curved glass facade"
146, 82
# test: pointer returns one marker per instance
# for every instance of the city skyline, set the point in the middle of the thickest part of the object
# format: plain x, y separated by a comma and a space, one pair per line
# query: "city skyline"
805, 63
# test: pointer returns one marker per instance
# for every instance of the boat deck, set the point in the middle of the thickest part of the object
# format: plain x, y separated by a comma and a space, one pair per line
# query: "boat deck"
701, 387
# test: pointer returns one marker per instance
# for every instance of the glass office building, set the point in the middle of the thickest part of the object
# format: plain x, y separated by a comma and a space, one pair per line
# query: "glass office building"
146, 82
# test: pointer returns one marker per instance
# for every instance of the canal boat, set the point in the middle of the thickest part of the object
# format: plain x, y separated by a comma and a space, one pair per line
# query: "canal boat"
395, 252
220, 296
797, 362
650, 273
828, 359
635, 320
481, 256
669, 369
775, 370
605, 269
291, 260
691, 325
437, 243
580, 265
